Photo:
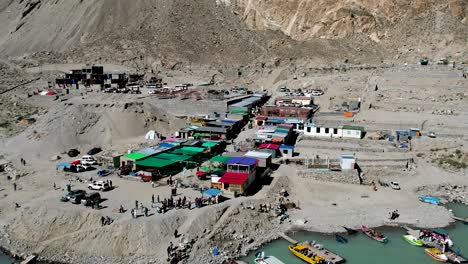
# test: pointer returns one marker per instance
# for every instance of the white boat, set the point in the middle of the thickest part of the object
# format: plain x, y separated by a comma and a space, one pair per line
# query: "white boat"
260, 258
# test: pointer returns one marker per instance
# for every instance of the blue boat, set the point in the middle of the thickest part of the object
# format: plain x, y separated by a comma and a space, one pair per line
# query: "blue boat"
341, 239
428, 199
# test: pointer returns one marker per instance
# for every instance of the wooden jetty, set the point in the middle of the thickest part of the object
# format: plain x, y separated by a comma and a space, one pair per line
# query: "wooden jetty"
30, 260
316, 249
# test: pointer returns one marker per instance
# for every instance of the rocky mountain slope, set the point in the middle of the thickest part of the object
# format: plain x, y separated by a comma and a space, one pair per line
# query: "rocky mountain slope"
224, 31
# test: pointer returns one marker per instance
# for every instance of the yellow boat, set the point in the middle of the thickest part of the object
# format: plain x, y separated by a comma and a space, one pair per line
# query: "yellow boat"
303, 252
436, 254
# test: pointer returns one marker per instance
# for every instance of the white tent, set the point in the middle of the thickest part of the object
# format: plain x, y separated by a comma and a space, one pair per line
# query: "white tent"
151, 135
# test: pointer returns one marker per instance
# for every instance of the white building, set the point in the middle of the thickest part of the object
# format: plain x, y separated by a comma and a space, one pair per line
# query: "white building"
347, 162
313, 130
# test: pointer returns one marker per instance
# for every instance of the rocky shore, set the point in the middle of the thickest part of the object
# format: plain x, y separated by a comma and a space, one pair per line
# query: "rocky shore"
449, 192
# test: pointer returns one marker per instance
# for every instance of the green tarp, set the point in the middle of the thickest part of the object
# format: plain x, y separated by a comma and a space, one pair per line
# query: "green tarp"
239, 111
209, 144
189, 151
135, 156
174, 157
222, 159
154, 162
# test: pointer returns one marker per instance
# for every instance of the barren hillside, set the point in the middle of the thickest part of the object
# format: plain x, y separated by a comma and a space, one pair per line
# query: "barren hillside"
225, 31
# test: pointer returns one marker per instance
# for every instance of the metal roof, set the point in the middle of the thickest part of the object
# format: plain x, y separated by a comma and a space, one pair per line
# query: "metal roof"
259, 155
242, 161
222, 159
234, 178
286, 147
154, 162
174, 157
136, 156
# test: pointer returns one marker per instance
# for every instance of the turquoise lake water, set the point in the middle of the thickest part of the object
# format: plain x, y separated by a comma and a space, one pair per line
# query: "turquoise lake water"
362, 250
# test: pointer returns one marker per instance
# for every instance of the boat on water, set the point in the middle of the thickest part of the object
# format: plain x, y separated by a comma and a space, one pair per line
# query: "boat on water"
350, 231
413, 240
461, 219
436, 254
341, 239
428, 199
373, 234
260, 258
303, 252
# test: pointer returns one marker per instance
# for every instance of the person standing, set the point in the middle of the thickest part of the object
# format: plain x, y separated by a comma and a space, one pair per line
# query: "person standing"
136, 203
102, 220
14, 186
152, 198
110, 183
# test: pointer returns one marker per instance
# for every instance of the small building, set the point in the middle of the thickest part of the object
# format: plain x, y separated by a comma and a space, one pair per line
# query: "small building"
313, 130
241, 172
414, 132
353, 131
215, 184
269, 148
264, 159
260, 121
163, 167
294, 101
347, 162
213, 133
286, 151
131, 158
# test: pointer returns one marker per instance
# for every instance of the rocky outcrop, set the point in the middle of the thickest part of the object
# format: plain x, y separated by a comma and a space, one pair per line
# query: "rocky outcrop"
309, 19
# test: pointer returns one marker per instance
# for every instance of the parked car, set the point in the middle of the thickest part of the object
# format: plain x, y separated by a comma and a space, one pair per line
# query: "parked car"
88, 160
94, 151
99, 185
73, 153
431, 134
83, 167
316, 92
152, 91
72, 194
91, 199
102, 173
395, 185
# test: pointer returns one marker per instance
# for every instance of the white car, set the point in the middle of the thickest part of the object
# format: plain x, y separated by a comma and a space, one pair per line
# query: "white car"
395, 185
317, 93
88, 160
99, 185
152, 91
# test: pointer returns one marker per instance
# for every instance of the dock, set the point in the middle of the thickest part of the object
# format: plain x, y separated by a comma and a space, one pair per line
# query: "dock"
30, 260
316, 249
464, 220
290, 240
324, 253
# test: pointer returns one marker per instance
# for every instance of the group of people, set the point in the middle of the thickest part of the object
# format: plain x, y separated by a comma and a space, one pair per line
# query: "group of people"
138, 206
394, 215
106, 220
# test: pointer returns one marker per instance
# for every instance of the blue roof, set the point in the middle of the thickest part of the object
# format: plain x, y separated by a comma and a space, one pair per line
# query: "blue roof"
148, 151
286, 147
275, 120
166, 145
242, 160
212, 192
